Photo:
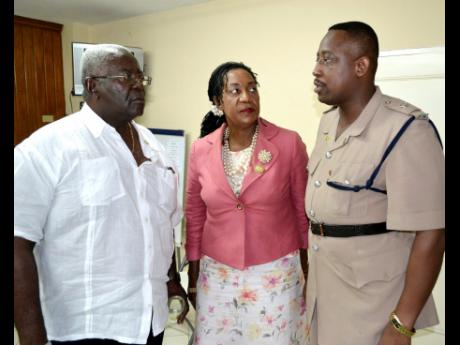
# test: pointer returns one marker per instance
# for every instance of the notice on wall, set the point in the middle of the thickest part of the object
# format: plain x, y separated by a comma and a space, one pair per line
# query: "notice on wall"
173, 141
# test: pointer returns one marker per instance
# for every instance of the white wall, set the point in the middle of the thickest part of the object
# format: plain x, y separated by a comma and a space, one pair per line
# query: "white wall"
277, 38
418, 77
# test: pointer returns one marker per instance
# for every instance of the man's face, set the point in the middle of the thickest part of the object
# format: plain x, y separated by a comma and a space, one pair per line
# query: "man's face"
122, 98
334, 72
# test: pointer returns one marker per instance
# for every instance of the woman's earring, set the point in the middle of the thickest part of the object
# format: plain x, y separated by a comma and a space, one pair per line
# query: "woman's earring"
216, 111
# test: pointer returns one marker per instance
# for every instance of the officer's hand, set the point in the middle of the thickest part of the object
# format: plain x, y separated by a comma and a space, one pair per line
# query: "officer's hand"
392, 337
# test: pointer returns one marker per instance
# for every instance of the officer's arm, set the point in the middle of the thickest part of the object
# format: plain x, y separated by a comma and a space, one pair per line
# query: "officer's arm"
423, 268
28, 316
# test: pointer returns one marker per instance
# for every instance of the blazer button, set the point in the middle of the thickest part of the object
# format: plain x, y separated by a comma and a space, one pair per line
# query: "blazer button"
239, 207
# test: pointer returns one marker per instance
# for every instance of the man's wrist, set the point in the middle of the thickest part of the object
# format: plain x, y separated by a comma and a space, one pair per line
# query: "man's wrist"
173, 276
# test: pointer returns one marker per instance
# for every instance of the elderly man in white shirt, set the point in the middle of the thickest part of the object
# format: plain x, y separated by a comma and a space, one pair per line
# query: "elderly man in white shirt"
95, 206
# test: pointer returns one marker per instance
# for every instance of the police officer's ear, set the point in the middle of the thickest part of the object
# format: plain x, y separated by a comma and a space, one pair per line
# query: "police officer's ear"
362, 66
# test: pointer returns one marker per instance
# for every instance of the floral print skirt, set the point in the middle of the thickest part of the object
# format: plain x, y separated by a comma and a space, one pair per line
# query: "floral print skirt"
260, 305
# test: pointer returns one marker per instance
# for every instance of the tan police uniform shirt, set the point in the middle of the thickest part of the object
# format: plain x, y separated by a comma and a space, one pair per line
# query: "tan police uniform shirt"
354, 283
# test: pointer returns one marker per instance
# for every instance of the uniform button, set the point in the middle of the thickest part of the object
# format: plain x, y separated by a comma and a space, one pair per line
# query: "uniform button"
239, 207
315, 247
317, 183
312, 213
328, 155
146, 220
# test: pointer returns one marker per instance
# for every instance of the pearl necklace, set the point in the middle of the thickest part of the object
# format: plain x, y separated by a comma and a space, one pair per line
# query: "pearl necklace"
235, 167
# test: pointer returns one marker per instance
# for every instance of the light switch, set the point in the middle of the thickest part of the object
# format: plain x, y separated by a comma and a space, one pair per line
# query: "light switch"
47, 118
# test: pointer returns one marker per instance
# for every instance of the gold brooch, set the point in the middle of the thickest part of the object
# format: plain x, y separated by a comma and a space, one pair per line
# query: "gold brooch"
264, 156
259, 169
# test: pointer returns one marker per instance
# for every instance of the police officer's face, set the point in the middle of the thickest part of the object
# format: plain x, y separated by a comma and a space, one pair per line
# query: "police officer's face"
122, 98
334, 72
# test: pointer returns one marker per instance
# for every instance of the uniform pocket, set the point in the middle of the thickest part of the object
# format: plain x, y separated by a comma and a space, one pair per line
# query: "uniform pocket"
168, 188
381, 267
101, 182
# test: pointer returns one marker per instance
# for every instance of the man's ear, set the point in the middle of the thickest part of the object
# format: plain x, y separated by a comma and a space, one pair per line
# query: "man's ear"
362, 66
90, 85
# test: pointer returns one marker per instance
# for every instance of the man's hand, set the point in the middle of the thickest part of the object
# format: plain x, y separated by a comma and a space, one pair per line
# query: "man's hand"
28, 317
175, 289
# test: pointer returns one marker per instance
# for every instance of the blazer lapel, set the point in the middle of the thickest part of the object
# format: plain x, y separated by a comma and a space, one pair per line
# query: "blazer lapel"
215, 165
257, 168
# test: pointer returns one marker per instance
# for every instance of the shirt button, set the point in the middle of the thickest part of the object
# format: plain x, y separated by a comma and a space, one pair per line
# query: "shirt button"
146, 220
312, 213
328, 155
346, 182
239, 207
317, 183
315, 247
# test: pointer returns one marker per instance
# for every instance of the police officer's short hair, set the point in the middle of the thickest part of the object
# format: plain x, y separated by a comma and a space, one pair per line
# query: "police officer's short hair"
364, 34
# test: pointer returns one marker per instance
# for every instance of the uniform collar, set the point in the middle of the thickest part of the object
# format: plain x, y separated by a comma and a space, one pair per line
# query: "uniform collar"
367, 114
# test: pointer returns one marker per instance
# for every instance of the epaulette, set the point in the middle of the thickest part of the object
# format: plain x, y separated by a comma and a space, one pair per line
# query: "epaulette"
330, 109
401, 106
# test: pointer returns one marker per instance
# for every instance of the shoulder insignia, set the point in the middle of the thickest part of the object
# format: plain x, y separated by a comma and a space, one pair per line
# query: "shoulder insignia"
330, 109
403, 107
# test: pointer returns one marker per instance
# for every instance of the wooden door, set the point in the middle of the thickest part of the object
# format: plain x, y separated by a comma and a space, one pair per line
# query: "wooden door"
38, 75
418, 77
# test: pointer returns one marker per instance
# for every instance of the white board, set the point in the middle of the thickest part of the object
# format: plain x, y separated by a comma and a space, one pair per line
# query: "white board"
173, 141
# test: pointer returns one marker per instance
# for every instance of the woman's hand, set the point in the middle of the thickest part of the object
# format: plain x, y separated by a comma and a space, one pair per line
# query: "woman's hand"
193, 273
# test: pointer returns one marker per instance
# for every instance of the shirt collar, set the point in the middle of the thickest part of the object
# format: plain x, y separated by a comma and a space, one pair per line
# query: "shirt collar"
93, 122
96, 125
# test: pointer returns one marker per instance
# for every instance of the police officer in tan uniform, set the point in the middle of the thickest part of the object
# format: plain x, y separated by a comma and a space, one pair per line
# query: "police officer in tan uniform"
375, 199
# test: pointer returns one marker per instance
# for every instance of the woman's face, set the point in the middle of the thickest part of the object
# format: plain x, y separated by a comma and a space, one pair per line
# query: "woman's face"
240, 99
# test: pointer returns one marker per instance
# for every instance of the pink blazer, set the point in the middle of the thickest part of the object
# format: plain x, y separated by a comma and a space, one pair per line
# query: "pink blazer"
267, 221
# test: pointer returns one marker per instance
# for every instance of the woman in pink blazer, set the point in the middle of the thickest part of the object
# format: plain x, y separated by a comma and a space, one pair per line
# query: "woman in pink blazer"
246, 222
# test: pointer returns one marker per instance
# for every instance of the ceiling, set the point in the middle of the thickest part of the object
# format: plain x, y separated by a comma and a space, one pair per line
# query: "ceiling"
93, 11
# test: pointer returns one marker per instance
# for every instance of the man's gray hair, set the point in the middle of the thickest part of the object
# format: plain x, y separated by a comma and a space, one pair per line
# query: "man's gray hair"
95, 58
